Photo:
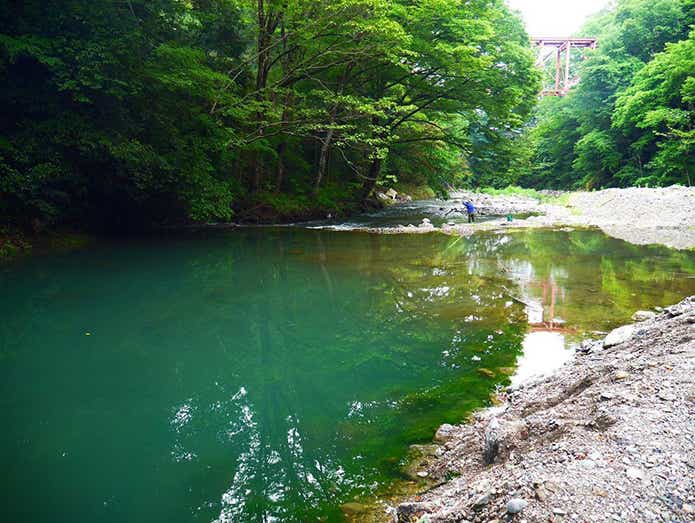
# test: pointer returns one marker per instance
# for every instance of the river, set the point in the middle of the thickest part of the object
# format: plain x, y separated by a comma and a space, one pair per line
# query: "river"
273, 374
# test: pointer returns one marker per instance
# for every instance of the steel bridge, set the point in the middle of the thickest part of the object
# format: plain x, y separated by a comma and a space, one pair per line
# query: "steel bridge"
553, 48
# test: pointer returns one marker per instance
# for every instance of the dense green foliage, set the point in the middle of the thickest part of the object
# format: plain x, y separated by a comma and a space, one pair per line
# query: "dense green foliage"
119, 113
631, 119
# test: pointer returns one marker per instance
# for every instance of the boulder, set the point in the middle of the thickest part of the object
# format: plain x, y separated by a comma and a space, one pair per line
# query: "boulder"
619, 335
392, 194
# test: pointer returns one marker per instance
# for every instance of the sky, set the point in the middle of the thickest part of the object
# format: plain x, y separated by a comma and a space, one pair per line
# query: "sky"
555, 17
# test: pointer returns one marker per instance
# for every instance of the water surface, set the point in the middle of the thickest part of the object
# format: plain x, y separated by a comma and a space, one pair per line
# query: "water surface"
260, 375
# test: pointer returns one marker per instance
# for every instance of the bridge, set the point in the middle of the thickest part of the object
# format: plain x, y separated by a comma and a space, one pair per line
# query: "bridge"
553, 48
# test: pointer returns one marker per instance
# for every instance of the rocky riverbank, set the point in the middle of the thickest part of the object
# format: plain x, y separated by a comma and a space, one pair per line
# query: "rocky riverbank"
639, 215
609, 437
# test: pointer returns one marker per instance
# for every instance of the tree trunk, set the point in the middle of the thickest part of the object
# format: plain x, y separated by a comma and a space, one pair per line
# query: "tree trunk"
323, 156
330, 131
280, 174
267, 23
372, 178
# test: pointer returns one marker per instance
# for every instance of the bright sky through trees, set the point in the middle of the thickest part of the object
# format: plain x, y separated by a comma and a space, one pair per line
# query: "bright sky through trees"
555, 17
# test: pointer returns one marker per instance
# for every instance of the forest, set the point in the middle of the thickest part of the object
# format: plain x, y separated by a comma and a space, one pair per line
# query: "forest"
119, 114
631, 119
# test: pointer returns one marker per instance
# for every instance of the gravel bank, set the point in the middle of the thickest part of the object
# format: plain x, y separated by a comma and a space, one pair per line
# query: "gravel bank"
609, 437
637, 215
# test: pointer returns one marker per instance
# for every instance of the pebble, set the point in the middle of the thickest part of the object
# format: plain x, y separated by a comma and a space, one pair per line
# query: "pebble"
516, 505
481, 501
643, 316
444, 433
635, 473
666, 396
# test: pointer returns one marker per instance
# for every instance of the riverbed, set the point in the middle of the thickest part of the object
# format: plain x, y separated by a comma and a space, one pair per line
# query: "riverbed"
275, 374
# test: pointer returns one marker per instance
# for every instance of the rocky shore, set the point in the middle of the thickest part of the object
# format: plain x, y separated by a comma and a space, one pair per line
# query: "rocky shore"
609, 437
639, 215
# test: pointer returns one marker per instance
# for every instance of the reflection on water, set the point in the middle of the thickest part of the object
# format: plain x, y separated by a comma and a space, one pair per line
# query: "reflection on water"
270, 375
543, 352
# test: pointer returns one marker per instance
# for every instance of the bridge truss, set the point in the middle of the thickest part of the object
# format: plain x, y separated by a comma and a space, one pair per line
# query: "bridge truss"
552, 49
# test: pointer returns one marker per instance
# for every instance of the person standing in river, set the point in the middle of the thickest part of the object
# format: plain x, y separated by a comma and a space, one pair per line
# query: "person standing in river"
470, 211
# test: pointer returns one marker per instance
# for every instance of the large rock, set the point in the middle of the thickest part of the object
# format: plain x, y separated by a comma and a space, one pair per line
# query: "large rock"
619, 335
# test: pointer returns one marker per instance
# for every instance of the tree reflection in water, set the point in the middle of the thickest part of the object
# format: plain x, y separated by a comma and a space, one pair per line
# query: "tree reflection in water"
260, 375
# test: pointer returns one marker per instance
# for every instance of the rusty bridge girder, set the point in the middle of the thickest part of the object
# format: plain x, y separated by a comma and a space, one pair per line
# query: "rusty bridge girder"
554, 47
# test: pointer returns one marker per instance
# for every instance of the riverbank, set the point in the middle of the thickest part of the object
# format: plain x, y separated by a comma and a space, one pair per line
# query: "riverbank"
638, 215
608, 437
14, 243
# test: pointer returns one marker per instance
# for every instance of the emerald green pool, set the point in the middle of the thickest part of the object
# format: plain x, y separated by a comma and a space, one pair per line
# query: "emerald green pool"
273, 374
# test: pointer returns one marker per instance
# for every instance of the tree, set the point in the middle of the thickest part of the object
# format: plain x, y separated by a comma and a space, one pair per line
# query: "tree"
577, 141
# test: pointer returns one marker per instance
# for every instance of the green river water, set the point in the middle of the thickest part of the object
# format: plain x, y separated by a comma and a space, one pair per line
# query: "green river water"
274, 374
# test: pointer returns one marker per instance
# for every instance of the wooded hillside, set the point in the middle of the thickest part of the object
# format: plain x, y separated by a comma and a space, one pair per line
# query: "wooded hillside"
123, 113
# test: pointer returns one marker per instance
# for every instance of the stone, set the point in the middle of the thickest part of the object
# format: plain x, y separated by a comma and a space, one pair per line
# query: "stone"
643, 316
444, 433
541, 494
666, 396
422, 474
412, 508
481, 501
620, 375
353, 508
486, 372
391, 194
491, 445
619, 335
381, 196
516, 505
635, 473
559, 512
680, 308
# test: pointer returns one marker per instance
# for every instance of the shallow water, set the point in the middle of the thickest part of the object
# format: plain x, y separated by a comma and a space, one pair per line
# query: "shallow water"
438, 212
260, 375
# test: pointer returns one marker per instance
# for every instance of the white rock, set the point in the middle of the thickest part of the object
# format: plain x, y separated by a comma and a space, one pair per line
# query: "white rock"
516, 505
635, 473
444, 432
643, 315
619, 335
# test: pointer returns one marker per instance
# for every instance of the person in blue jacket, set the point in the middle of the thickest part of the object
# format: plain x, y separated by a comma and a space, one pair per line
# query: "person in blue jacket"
470, 211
